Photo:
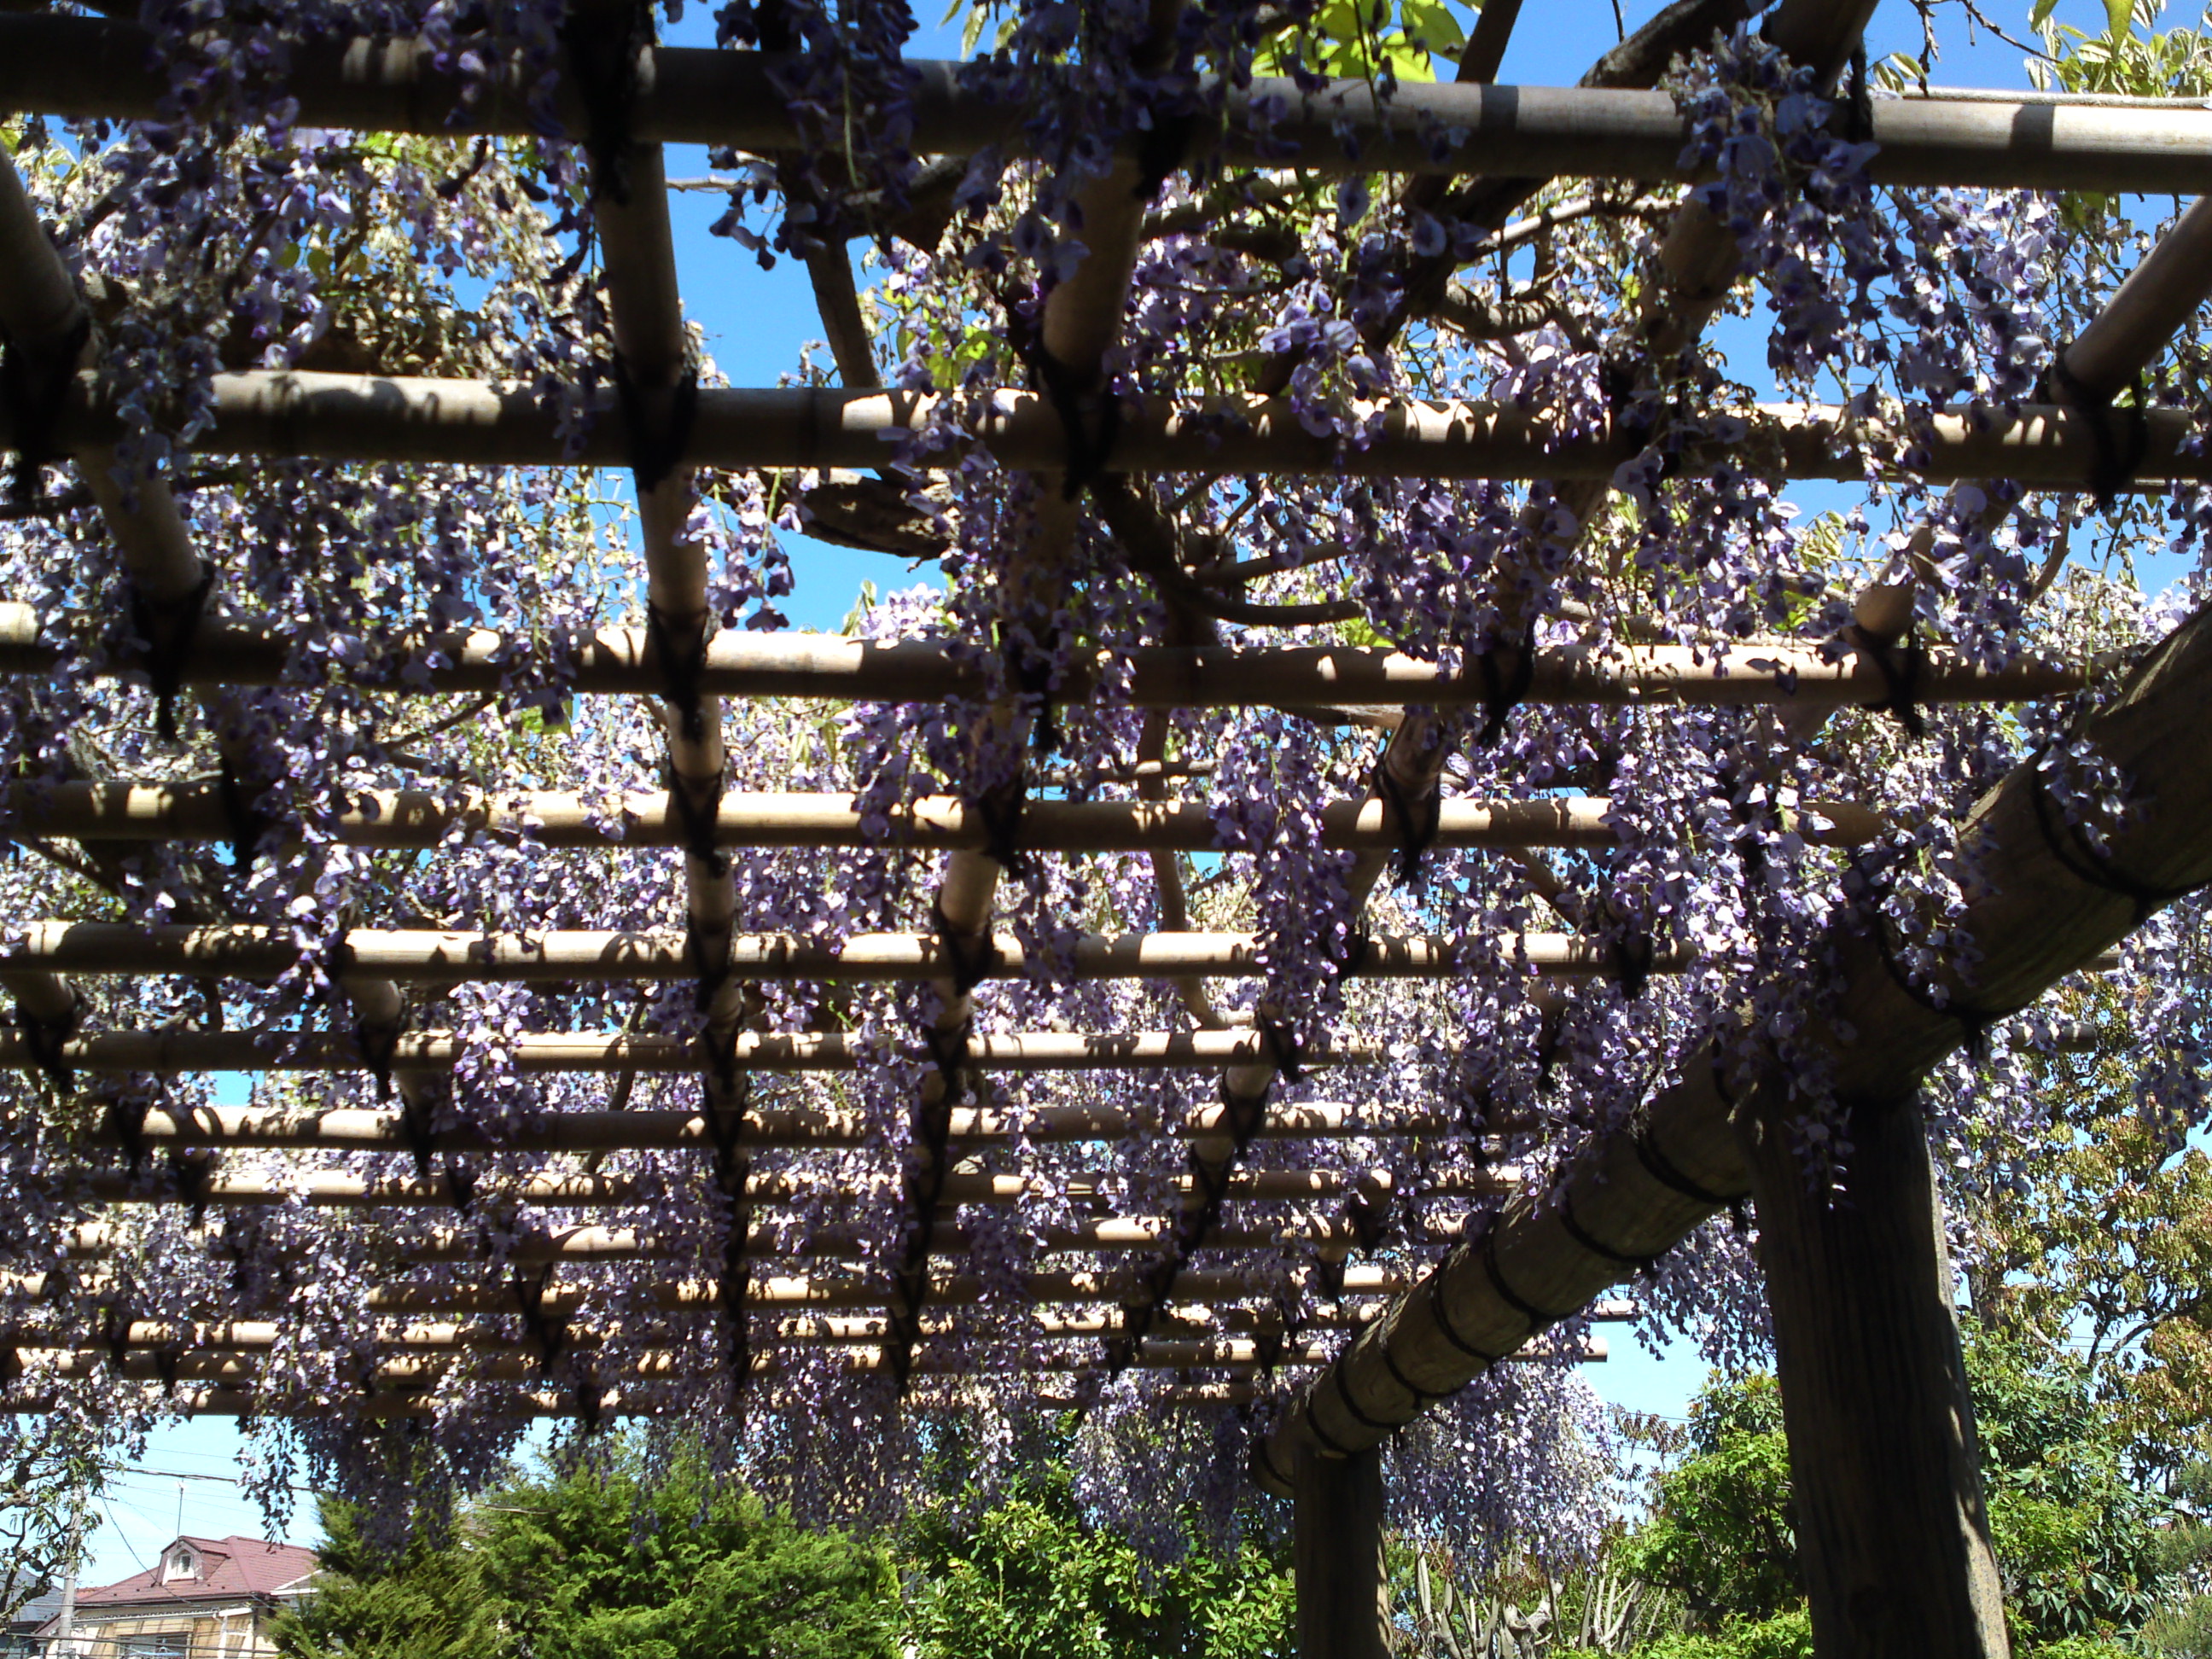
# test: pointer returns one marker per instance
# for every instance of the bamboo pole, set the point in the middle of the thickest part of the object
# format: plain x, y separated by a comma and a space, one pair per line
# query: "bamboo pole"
221, 1346
346, 1130
300, 414
567, 956
400, 1387
624, 662
102, 69
2160, 295
1221, 1291
648, 1365
2036, 920
582, 1245
135, 813
658, 385
331, 1189
540, 1052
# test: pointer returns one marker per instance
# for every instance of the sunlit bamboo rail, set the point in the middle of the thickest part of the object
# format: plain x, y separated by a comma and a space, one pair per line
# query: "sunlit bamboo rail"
1217, 1289
303, 414
329, 1189
411, 819
103, 68
653, 1129
534, 1247
564, 957
623, 661
936, 1392
171, 1052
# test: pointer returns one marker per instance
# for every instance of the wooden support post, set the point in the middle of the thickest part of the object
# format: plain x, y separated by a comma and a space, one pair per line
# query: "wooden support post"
1344, 1606
1892, 1532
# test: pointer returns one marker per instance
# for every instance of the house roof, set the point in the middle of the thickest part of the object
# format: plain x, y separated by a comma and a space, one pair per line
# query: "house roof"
228, 1568
36, 1610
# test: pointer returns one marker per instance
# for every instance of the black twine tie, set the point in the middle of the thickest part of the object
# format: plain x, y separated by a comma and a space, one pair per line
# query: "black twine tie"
2083, 861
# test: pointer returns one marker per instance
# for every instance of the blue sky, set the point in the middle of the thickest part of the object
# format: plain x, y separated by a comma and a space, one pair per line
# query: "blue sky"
755, 322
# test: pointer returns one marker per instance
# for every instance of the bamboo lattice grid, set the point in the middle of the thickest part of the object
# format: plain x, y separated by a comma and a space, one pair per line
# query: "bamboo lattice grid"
101, 67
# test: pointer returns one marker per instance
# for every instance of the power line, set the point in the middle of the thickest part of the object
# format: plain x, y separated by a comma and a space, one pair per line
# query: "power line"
178, 1474
121, 1535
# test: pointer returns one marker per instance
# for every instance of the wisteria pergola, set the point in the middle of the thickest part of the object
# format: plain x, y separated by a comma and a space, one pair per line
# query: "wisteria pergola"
975, 1126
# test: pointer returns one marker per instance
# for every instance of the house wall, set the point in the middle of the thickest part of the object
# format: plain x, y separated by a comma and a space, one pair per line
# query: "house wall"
235, 1632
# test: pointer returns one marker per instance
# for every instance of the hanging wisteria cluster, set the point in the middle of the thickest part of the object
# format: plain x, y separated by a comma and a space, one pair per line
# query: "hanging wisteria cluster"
397, 1350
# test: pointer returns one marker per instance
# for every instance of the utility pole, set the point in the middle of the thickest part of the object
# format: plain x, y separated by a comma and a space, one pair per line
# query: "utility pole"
64, 1646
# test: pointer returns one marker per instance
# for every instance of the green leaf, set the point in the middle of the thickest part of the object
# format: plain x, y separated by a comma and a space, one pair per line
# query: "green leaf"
2119, 15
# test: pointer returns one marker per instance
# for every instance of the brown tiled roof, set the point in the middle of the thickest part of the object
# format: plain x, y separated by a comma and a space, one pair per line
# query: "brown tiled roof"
229, 1567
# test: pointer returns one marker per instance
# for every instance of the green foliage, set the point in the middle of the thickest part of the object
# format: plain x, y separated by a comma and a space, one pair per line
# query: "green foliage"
1720, 1533
600, 1563
1032, 1579
2081, 1647
2077, 1539
429, 1604
1358, 39
2108, 1232
2182, 1631
2133, 56
1787, 1636
50, 1471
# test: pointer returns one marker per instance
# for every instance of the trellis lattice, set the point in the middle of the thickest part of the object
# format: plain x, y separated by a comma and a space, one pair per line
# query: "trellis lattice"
969, 1057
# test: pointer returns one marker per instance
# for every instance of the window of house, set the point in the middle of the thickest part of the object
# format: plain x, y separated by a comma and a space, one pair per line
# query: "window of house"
182, 1564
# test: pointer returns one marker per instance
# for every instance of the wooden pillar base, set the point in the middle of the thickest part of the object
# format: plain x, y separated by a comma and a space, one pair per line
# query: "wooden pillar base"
1344, 1601
1892, 1534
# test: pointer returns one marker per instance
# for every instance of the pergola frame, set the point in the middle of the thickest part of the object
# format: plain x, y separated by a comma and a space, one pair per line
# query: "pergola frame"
1409, 1337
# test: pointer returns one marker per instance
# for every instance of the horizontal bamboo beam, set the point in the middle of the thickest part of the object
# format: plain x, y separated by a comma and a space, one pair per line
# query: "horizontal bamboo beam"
363, 1130
543, 1053
939, 1387
1199, 1293
235, 1360
500, 1334
574, 957
581, 1245
623, 661
301, 415
676, 1366
411, 819
104, 68
248, 1336
337, 1190
1345, 1300
426, 1365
